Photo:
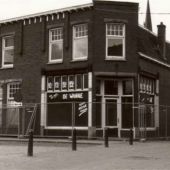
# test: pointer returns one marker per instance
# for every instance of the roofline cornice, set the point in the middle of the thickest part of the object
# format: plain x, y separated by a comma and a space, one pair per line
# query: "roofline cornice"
62, 10
153, 60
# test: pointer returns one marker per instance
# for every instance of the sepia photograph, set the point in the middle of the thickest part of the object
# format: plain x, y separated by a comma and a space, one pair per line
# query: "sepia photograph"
84, 85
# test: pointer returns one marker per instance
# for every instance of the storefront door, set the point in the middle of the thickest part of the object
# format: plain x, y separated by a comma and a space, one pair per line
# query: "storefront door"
112, 116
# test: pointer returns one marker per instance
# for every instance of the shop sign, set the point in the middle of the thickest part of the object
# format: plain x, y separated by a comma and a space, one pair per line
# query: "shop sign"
82, 108
68, 96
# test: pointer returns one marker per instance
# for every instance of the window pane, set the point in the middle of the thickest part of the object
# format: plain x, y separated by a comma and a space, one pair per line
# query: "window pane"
8, 56
57, 83
80, 48
111, 87
115, 47
71, 82
79, 83
9, 41
127, 87
50, 83
57, 51
85, 81
64, 83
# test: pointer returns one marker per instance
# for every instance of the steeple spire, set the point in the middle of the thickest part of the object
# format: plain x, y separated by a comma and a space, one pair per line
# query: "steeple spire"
148, 21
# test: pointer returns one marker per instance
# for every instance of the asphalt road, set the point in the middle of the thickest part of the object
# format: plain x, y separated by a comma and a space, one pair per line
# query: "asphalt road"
120, 155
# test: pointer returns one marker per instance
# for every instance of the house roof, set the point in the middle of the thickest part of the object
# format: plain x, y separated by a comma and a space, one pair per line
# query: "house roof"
147, 43
46, 13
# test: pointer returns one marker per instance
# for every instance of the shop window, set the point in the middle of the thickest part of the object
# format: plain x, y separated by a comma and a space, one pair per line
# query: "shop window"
64, 83
115, 41
110, 87
80, 42
85, 81
71, 82
147, 85
57, 83
56, 45
8, 51
127, 87
79, 82
147, 97
50, 83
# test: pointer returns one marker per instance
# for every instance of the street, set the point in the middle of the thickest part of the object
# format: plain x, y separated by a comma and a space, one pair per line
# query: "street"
120, 155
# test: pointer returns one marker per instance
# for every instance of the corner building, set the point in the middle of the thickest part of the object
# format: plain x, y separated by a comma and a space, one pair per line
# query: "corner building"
91, 66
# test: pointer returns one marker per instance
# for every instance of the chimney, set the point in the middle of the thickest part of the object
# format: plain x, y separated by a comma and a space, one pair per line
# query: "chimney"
162, 39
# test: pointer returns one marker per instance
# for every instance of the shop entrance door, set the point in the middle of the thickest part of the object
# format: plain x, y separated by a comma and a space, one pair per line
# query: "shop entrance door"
112, 117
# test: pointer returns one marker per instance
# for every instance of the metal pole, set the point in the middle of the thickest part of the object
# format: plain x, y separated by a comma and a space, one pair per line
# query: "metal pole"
106, 137
74, 140
30, 143
131, 137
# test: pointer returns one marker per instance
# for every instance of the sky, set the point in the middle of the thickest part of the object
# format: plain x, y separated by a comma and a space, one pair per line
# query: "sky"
160, 9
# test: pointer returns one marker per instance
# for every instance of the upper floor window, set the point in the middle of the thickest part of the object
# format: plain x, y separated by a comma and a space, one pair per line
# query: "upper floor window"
80, 42
56, 45
7, 51
115, 41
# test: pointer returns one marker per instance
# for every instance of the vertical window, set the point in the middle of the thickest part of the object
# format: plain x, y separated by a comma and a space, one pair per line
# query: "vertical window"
115, 41
57, 83
71, 82
64, 82
8, 51
79, 82
85, 81
13, 88
56, 45
80, 42
50, 82
110, 87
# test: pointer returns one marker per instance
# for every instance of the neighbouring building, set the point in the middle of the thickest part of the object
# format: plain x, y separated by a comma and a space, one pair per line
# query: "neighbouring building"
92, 65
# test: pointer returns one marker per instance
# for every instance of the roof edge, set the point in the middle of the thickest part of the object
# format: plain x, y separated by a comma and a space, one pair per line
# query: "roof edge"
154, 60
50, 12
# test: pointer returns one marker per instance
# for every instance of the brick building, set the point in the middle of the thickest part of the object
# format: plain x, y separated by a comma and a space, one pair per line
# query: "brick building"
94, 59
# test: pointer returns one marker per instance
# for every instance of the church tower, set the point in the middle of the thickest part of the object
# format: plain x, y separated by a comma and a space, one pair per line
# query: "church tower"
148, 21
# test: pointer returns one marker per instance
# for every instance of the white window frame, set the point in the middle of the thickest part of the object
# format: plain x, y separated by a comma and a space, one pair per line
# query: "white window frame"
121, 37
80, 37
58, 41
10, 100
3, 52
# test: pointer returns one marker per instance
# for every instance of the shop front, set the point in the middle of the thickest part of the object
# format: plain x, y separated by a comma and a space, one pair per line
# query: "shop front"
67, 102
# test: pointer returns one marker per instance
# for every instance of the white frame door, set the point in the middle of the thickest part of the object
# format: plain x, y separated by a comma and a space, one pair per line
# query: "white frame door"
112, 101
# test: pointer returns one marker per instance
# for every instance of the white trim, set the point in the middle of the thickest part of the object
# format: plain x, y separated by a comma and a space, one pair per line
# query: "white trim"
43, 102
90, 99
154, 60
46, 13
65, 127
3, 52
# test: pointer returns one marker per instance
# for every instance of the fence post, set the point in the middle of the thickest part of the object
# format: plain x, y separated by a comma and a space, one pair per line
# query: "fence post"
30, 143
131, 137
106, 137
74, 140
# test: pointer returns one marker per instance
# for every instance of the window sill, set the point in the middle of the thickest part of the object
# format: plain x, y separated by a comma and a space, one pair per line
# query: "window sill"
77, 60
115, 59
6, 67
55, 62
